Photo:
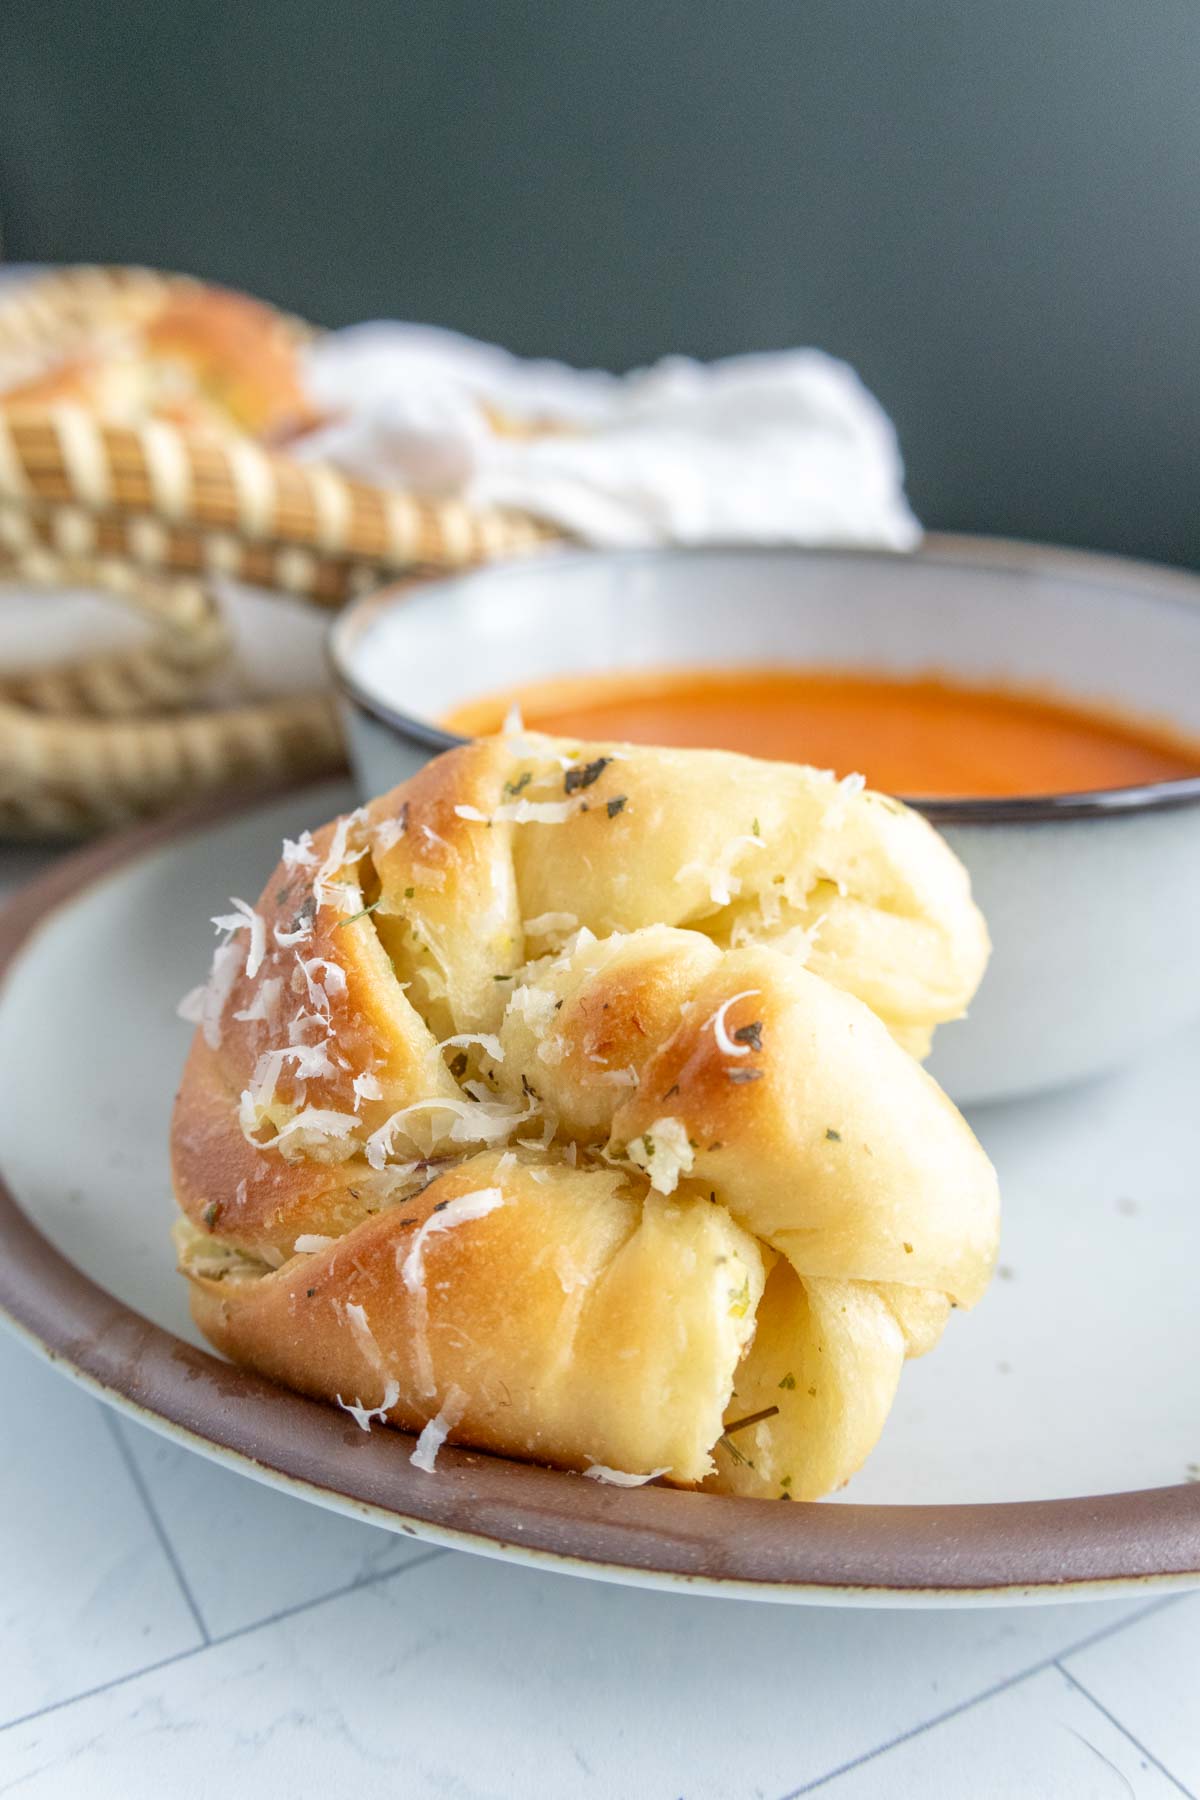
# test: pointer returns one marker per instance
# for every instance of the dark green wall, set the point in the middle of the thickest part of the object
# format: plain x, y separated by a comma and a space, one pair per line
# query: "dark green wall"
992, 209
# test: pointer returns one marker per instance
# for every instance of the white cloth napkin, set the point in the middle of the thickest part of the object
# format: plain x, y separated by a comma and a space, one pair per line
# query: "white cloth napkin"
785, 447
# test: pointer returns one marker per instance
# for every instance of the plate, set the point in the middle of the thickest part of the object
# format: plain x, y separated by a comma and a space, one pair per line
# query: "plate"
1045, 1450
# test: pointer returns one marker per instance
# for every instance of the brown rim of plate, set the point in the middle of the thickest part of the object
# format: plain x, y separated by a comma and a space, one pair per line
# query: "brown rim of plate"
491, 1505
1147, 581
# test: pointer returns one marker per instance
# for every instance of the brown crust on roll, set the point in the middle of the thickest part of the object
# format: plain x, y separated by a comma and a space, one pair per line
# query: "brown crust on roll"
202, 356
659, 1093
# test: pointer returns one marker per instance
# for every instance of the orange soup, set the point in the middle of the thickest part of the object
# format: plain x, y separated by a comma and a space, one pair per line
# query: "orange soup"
926, 736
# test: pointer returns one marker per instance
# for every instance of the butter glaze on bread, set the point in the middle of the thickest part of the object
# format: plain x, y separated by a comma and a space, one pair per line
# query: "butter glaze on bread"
675, 1168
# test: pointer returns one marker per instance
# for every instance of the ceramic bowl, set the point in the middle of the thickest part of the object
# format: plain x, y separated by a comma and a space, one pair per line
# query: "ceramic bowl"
1090, 898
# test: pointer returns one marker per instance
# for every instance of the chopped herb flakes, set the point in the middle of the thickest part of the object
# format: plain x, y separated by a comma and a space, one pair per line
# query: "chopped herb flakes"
309, 1292
739, 1298
409, 892
458, 1067
671, 1091
744, 1074
441, 1206
750, 1034
834, 1137
908, 1249
501, 977
354, 917
576, 779
211, 1213
755, 1418
789, 1381
617, 805
754, 830
523, 780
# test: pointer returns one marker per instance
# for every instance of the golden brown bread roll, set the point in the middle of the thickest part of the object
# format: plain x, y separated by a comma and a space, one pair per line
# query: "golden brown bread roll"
201, 356
543, 1098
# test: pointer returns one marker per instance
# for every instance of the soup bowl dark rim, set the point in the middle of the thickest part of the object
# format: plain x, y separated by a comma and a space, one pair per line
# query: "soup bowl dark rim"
1152, 583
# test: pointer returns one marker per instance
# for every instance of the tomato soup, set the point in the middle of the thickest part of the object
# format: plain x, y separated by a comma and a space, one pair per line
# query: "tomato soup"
926, 737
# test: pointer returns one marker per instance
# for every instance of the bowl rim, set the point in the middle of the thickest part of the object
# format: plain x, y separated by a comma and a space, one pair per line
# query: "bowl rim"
1152, 582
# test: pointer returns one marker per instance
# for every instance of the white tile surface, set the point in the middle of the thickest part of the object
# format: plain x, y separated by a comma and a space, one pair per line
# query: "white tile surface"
87, 1592
1041, 1739
479, 1677
247, 1552
1151, 1682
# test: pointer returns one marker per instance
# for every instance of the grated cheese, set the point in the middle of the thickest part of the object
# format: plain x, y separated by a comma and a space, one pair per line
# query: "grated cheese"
435, 1433
288, 939
548, 922
205, 1005
340, 854
388, 834
332, 980
664, 1154
725, 1043
366, 1087
522, 812
723, 886
298, 853
318, 1128
238, 921
265, 1004
487, 1040
619, 1477
459, 1211
475, 1122
309, 1242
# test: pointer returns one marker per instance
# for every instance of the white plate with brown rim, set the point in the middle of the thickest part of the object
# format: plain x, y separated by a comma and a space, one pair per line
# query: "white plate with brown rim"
1048, 1449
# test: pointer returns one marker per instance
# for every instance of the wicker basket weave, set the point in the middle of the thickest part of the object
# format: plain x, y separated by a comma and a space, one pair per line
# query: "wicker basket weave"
149, 513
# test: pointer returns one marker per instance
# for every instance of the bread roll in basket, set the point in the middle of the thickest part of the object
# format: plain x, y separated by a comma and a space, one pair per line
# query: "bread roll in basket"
564, 1102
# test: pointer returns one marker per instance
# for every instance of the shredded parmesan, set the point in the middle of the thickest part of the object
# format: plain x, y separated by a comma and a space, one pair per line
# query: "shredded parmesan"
852, 784
664, 1153
325, 887
536, 1006
459, 1211
309, 1242
487, 1040
388, 833
329, 979
725, 1043
298, 853
265, 1004
522, 812
288, 939
238, 921
362, 1415
205, 1005
366, 1087
723, 886
435, 1433
318, 1128
548, 922
620, 1478
619, 1077
475, 1122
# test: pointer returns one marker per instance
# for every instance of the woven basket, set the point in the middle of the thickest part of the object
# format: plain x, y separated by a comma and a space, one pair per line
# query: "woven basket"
148, 513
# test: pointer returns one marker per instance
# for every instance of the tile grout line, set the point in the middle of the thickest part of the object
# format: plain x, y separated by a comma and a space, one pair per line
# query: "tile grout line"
152, 1513
228, 1637
990, 1693
1123, 1729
